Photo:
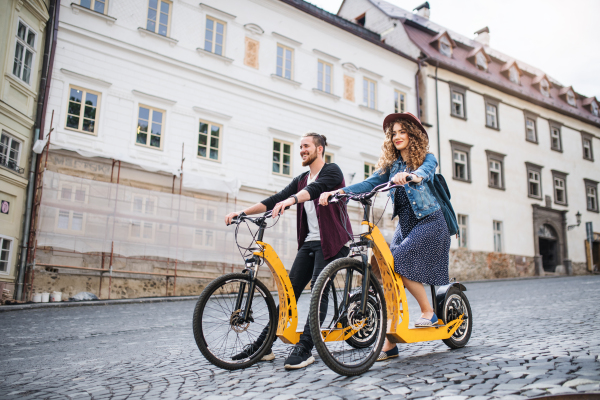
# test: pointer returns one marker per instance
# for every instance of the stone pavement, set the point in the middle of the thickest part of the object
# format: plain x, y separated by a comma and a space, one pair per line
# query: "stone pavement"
530, 338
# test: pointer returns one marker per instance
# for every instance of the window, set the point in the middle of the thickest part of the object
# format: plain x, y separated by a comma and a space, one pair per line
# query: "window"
534, 180
369, 93
462, 230
361, 19
70, 220
531, 127
159, 14
5, 253
555, 137
96, 5
545, 88
205, 213
594, 108
399, 102
282, 158
82, 110
10, 151
445, 46
457, 101
461, 159
586, 141
144, 205
560, 187
24, 52
214, 36
369, 169
324, 78
498, 236
284, 62
209, 139
204, 238
571, 98
150, 127
591, 192
491, 113
495, 169
481, 61
329, 158
513, 75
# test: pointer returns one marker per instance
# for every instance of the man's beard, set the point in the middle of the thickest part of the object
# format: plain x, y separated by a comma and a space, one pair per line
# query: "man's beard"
311, 158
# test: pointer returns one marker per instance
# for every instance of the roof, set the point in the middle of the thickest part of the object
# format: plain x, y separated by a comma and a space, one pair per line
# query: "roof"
346, 25
422, 32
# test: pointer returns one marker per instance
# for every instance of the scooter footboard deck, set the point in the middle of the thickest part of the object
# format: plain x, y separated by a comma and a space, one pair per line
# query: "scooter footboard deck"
414, 335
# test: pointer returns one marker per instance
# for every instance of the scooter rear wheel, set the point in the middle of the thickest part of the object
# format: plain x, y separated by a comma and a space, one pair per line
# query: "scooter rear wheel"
457, 304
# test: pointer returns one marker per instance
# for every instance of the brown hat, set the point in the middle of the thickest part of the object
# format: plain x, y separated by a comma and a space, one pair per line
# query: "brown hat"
407, 116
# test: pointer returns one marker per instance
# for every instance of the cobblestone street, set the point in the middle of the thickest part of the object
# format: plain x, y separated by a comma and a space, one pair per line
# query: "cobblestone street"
530, 338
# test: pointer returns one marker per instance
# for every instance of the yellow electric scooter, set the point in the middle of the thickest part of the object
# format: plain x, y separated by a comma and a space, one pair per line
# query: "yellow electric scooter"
374, 312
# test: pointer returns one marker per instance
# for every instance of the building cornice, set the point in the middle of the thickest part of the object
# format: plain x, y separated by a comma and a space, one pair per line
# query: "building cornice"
85, 77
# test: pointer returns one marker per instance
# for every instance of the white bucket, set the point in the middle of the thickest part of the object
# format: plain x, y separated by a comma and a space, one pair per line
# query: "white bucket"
45, 297
37, 298
56, 297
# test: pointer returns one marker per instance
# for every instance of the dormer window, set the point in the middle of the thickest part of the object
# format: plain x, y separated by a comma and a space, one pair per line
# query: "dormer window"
445, 46
571, 98
595, 109
513, 75
545, 87
481, 61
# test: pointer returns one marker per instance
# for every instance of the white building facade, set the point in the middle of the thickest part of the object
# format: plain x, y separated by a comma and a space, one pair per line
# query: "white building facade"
229, 87
518, 149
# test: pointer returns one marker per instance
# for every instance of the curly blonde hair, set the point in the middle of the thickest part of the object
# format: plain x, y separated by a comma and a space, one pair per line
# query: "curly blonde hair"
418, 147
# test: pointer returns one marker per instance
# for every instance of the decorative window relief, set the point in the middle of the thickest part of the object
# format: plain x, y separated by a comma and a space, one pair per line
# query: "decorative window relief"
159, 16
348, 88
214, 37
25, 43
251, 53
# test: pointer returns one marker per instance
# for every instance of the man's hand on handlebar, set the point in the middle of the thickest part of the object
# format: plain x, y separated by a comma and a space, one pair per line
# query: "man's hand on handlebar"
401, 178
229, 217
324, 198
280, 207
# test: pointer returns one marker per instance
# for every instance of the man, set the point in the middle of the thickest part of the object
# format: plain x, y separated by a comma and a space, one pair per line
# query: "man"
321, 234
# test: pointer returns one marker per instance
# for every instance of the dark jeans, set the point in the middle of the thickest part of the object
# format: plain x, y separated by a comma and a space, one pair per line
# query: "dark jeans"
306, 268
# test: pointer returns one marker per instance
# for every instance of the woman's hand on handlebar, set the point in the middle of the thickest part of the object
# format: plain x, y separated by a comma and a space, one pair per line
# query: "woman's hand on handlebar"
324, 198
401, 178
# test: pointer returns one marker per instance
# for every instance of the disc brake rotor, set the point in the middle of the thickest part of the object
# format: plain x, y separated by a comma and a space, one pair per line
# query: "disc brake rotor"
237, 324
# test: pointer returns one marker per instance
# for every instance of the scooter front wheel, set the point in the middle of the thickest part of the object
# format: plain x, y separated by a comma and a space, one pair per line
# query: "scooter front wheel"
457, 304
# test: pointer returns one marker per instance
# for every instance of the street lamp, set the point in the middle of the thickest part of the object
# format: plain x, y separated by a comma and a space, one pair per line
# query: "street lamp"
578, 217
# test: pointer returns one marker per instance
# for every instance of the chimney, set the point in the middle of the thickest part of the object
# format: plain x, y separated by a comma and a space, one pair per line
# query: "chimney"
483, 36
423, 10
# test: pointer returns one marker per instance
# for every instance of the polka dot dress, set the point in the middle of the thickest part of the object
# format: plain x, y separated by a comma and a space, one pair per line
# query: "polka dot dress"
420, 247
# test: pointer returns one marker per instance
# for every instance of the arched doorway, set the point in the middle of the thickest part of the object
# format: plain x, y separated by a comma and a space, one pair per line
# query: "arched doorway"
548, 245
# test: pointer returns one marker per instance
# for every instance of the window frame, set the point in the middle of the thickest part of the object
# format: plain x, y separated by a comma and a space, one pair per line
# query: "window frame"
291, 49
518, 75
282, 143
496, 104
203, 245
213, 39
159, 2
570, 93
321, 77
331, 157
371, 167
11, 247
533, 117
397, 95
26, 46
560, 176
462, 90
590, 138
497, 157
368, 81
589, 183
531, 167
145, 198
465, 148
463, 229
208, 141
448, 43
478, 58
73, 186
498, 232
13, 138
545, 89
554, 125
82, 110
163, 125
93, 2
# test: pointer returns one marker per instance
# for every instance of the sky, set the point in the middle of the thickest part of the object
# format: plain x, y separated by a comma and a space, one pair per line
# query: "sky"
555, 36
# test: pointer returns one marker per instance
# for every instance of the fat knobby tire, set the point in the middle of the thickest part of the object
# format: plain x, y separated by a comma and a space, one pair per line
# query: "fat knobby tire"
315, 323
199, 310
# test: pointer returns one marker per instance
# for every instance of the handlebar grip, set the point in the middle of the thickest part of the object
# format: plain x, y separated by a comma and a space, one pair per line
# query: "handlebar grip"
409, 178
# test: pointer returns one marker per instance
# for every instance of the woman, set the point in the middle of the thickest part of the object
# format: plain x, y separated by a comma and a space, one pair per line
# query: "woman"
421, 243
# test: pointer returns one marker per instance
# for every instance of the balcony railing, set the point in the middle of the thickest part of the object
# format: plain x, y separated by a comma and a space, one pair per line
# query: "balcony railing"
11, 164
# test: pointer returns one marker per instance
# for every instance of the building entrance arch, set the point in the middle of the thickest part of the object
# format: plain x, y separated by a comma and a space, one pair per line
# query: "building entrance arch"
548, 245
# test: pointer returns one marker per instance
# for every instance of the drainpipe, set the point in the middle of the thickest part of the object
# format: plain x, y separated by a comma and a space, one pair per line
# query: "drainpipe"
437, 118
417, 87
49, 47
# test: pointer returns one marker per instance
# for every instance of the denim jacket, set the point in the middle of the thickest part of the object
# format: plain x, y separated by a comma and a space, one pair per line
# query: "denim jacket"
423, 202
